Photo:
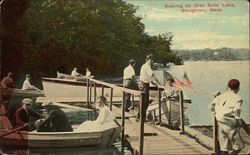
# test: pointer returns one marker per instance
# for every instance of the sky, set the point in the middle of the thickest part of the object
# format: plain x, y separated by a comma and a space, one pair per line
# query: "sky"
227, 27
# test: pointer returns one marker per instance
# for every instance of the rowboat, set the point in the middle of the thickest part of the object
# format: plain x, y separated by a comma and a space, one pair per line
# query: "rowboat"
14, 92
103, 138
170, 110
68, 87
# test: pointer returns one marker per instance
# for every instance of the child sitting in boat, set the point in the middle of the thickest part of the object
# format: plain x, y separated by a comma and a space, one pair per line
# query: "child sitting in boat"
104, 121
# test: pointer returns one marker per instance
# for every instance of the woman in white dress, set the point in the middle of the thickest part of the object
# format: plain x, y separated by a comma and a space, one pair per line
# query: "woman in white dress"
104, 121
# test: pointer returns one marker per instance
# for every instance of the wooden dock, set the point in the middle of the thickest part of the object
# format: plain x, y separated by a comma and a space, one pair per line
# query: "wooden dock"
160, 140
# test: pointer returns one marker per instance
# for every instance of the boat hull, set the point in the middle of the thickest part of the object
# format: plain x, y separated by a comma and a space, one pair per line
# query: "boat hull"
19, 93
61, 139
170, 110
70, 88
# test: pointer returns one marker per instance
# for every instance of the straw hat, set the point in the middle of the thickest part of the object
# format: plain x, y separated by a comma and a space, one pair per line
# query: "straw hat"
27, 101
47, 103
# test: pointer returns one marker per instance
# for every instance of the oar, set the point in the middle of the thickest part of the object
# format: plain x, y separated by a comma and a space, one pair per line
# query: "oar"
14, 130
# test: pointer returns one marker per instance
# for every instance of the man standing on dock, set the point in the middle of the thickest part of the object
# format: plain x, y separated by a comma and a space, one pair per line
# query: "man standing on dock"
146, 76
129, 81
227, 108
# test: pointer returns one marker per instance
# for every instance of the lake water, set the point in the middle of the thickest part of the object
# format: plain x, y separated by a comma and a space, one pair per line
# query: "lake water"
211, 77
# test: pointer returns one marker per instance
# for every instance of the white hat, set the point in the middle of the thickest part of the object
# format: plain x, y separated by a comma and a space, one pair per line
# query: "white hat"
27, 101
47, 103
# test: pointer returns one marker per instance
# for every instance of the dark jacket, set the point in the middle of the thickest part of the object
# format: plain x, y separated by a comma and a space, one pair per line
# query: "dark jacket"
21, 117
57, 121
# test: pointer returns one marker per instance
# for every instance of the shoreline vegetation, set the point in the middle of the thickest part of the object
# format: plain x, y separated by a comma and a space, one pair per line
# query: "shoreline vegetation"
221, 54
42, 37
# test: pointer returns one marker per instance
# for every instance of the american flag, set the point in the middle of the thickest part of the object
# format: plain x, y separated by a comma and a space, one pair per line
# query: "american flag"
186, 81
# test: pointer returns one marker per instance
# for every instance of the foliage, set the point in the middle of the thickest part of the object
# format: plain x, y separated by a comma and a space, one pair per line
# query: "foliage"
102, 35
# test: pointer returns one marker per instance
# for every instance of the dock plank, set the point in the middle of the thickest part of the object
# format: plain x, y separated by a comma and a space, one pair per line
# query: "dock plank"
166, 141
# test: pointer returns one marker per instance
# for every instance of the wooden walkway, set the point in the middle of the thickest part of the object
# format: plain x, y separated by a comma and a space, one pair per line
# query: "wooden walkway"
161, 140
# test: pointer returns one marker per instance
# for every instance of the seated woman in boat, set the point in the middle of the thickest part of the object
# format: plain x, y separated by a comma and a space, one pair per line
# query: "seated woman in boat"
4, 121
57, 121
104, 121
23, 114
169, 94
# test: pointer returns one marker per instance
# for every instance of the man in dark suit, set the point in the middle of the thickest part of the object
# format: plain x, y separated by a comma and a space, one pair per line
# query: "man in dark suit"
23, 114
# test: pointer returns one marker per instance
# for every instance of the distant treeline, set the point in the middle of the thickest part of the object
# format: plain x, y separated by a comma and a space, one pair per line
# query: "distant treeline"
226, 54
41, 37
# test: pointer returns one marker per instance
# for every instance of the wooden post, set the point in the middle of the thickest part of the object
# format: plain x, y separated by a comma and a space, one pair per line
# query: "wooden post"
88, 97
90, 94
123, 121
216, 144
133, 101
95, 99
111, 99
169, 112
181, 111
141, 134
159, 100
102, 90
94, 92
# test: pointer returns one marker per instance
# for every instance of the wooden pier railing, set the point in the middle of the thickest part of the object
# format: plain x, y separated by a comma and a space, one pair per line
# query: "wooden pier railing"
114, 87
92, 83
216, 146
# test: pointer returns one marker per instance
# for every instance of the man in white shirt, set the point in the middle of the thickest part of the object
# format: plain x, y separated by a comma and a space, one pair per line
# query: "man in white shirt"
227, 109
146, 75
129, 81
27, 85
74, 73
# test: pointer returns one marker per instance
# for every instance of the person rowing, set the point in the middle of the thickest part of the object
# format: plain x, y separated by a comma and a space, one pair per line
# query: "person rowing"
74, 73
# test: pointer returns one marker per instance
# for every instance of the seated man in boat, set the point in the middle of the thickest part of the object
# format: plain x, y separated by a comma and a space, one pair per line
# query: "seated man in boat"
75, 73
88, 73
27, 85
23, 114
57, 121
4, 120
7, 82
104, 121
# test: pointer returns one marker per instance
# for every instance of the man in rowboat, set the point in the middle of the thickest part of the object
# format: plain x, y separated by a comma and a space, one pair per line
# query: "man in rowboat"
75, 73
227, 109
7, 82
23, 114
129, 81
27, 85
57, 121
